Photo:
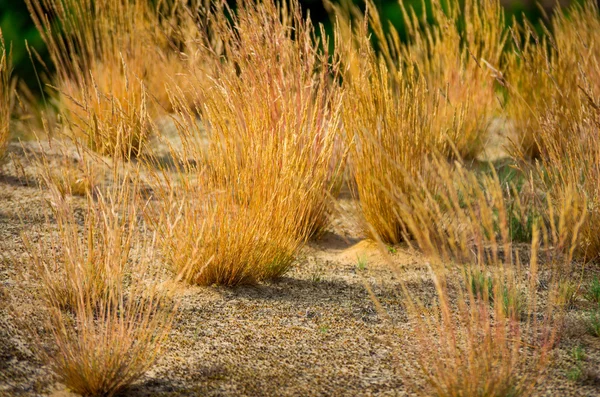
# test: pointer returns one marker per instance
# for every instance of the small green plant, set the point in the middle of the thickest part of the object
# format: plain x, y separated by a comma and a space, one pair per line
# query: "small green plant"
521, 203
521, 222
361, 263
593, 292
391, 249
317, 275
567, 293
481, 284
576, 373
513, 301
593, 323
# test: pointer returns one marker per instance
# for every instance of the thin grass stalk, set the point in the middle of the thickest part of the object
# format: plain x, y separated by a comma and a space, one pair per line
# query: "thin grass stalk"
6, 95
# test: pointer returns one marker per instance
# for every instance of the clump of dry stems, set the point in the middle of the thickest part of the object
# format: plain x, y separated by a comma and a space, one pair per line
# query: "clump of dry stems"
6, 95
386, 122
265, 117
554, 83
112, 59
408, 102
489, 333
551, 76
108, 314
451, 52
243, 204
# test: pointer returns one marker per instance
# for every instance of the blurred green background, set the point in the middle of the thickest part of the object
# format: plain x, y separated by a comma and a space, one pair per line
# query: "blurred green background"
18, 28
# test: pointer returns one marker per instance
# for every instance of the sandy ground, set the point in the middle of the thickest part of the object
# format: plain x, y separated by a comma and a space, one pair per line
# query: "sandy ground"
315, 331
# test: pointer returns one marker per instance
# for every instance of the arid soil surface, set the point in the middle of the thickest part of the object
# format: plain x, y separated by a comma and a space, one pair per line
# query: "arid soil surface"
316, 331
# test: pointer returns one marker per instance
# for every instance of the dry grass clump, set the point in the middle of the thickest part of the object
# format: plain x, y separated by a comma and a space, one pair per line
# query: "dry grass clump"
107, 312
570, 171
5, 95
91, 264
468, 347
489, 333
210, 238
387, 123
551, 76
276, 104
451, 52
248, 201
568, 135
107, 55
412, 101
554, 82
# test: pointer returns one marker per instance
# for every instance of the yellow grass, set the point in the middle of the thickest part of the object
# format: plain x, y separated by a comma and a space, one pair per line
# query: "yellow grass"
487, 335
454, 64
259, 190
554, 83
88, 265
107, 313
415, 100
386, 122
551, 76
110, 81
266, 118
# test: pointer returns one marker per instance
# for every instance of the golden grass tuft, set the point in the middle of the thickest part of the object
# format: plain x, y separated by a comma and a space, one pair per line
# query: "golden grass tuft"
386, 122
569, 172
413, 101
450, 53
109, 82
487, 333
91, 264
210, 238
108, 112
551, 76
259, 190
554, 83
108, 314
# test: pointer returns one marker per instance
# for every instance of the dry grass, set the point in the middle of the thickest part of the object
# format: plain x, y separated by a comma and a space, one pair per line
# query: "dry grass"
451, 52
212, 239
110, 82
107, 312
569, 171
490, 334
386, 122
415, 100
92, 263
480, 349
276, 103
554, 82
250, 199
568, 134
551, 77
6, 95
266, 117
